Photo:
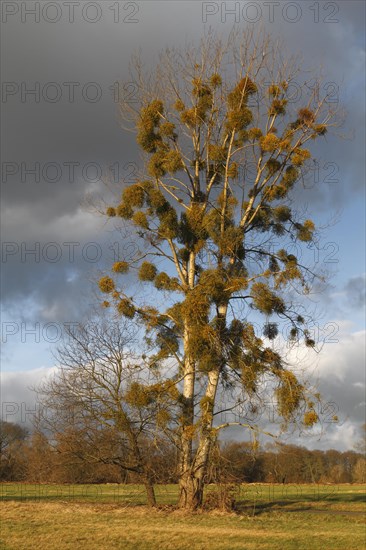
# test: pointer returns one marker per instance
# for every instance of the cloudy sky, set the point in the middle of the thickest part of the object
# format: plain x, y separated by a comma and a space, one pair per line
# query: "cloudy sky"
61, 138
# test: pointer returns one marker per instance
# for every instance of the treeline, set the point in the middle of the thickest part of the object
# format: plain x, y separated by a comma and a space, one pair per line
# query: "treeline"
33, 458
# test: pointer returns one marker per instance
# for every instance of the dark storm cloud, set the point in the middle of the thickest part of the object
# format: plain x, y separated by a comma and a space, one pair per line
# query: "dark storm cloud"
78, 130
347, 302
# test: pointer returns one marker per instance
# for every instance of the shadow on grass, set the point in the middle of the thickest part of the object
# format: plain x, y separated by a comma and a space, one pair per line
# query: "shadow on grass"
256, 509
76, 499
346, 498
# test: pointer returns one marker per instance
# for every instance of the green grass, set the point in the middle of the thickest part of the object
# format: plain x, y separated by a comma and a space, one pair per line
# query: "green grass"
110, 516
246, 494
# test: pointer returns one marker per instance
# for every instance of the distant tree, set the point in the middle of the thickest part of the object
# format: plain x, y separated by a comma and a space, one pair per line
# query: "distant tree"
283, 463
349, 460
12, 438
360, 446
225, 144
240, 462
359, 471
40, 459
314, 466
68, 462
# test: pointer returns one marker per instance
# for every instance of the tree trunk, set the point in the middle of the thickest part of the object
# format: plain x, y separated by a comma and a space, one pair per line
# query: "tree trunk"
193, 479
190, 491
142, 470
193, 470
185, 460
150, 494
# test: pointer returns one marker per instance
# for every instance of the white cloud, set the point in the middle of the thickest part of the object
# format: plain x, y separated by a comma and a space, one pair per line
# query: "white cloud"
338, 371
18, 401
344, 359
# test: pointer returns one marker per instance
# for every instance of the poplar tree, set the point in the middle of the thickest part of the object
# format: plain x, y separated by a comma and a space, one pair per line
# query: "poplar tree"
209, 235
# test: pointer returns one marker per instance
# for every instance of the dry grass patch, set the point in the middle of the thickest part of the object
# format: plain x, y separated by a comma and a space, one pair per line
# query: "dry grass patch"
29, 526
61, 526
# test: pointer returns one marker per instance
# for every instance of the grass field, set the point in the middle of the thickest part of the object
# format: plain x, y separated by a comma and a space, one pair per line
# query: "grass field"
304, 517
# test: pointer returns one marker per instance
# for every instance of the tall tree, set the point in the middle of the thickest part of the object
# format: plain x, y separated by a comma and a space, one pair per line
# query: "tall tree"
208, 229
12, 438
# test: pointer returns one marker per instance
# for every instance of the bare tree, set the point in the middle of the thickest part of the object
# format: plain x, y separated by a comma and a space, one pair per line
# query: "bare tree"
12, 438
103, 405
